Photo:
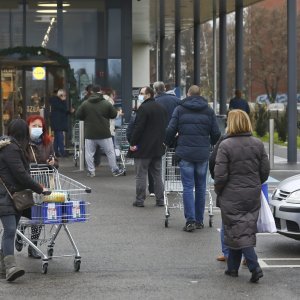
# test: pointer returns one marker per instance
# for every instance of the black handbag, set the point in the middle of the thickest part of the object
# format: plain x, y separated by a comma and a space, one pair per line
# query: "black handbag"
22, 199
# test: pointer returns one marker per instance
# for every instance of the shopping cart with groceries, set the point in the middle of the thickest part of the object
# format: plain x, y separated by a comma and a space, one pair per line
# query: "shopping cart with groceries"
122, 147
66, 204
174, 189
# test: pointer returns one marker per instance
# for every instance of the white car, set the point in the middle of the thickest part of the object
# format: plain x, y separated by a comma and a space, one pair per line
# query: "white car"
285, 204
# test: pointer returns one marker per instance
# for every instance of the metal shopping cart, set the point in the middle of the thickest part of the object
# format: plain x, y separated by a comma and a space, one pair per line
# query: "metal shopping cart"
173, 187
66, 204
122, 146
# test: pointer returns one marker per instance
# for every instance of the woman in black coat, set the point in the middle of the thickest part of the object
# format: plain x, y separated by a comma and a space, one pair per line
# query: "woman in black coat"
242, 165
14, 172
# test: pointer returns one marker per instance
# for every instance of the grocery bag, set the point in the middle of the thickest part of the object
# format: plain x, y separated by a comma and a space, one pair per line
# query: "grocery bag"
265, 221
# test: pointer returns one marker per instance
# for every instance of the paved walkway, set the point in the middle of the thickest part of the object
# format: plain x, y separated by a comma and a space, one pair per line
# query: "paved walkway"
127, 253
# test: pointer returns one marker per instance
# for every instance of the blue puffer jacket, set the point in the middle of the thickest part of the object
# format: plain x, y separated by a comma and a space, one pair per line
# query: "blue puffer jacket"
197, 128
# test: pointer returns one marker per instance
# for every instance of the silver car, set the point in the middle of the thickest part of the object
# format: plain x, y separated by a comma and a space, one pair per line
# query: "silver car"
285, 204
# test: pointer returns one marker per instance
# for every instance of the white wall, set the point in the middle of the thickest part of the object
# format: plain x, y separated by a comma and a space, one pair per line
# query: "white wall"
140, 65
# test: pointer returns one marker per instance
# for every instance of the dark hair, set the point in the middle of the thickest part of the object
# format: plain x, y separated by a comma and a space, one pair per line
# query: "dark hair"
149, 90
96, 88
89, 87
18, 129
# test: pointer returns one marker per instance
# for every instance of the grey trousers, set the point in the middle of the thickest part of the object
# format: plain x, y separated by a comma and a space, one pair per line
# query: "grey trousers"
141, 171
108, 148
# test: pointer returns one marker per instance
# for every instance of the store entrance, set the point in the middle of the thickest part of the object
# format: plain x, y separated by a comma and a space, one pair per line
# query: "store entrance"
26, 91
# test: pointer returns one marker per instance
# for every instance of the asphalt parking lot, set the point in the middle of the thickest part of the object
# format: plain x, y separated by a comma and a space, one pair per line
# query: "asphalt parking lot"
127, 253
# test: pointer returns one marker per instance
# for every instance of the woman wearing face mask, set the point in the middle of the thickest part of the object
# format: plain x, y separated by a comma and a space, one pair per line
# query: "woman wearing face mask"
40, 152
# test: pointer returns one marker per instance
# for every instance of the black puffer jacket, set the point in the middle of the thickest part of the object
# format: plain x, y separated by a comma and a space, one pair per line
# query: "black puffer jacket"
14, 171
242, 165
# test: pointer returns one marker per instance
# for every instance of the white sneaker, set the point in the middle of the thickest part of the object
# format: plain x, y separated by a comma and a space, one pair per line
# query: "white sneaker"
152, 195
91, 174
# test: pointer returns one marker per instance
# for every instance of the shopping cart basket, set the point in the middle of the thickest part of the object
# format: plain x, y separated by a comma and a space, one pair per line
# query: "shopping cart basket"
66, 204
173, 186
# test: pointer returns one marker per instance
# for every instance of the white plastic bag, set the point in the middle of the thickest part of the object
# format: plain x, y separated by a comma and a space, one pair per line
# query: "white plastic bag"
265, 222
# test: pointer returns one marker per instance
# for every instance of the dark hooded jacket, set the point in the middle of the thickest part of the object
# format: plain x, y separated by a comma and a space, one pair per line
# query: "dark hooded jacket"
14, 171
59, 114
196, 124
242, 165
96, 112
169, 102
148, 132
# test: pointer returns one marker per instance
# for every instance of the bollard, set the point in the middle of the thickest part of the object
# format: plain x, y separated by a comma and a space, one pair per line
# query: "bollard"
81, 145
271, 143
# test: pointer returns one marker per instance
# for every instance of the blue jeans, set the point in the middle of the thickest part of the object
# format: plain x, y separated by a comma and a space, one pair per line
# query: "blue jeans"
58, 144
235, 256
225, 249
10, 223
193, 176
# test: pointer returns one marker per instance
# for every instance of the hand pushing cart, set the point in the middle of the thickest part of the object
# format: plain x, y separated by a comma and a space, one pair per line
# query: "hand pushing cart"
173, 186
66, 204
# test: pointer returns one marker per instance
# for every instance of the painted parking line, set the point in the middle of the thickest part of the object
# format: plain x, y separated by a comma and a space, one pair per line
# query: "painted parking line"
279, 262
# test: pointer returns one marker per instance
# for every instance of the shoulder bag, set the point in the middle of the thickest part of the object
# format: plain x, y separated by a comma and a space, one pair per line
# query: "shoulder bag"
22, 199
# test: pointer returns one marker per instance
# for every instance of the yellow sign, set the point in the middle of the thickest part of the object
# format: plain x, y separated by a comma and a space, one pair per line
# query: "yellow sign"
38, 73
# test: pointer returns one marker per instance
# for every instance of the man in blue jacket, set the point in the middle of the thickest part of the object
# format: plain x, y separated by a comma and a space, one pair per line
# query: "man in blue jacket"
196, 125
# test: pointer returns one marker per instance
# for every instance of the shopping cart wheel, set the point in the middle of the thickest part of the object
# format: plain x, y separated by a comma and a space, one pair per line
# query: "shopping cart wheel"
45, 268
166, 223
77, 265
50, 252
210, 221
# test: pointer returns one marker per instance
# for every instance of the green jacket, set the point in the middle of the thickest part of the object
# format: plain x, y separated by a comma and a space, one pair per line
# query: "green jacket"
96, 112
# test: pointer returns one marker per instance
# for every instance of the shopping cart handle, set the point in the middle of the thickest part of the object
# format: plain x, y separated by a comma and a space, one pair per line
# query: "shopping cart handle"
46, 193
34, 166
88, 190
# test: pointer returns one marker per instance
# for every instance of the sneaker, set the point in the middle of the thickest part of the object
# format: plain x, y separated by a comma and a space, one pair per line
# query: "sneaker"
221, 258
138, 204
152, 195
189, 227
91, 174
160, 203
118, 172
199, 225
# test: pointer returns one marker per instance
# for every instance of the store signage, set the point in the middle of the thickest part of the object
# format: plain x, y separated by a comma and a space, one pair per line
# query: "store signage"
39, 73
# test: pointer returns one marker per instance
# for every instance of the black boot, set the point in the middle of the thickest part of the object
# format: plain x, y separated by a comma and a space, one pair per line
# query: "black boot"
256, 274
18, 240
32, 252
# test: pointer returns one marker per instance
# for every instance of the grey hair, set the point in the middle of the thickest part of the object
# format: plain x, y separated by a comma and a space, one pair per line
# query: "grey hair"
61, 92
159, 87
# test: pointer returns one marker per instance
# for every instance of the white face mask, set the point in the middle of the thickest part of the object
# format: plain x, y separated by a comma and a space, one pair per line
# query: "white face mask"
35, 133
141, 98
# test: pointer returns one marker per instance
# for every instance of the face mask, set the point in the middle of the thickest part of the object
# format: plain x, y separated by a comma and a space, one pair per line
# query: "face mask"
35, 133
141, 98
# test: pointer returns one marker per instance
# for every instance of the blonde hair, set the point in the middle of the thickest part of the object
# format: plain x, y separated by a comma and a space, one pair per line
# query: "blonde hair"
238, 121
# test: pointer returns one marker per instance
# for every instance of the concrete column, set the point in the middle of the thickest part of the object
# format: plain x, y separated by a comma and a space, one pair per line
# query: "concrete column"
223, 57
239, 43
215, 79
197, 34
24, 6
292, 80
140, 55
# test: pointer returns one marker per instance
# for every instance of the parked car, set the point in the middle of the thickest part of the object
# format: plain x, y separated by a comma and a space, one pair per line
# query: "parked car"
285, 205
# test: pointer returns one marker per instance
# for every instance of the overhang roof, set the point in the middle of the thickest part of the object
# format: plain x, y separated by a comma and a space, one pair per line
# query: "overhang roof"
146, 16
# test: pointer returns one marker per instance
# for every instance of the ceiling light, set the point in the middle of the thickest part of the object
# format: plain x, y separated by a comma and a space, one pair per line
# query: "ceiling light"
49, 11
52, 4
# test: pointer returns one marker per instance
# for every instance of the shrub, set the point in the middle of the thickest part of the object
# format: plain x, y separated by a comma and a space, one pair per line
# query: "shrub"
281, 126
262, 118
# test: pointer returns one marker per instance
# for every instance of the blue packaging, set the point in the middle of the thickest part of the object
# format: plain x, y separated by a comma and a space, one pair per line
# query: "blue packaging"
46, 213
74, 211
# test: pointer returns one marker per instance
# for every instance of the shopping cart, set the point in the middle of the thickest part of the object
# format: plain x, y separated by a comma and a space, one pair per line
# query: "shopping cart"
75, 142
173, 187
122, 147
66, 204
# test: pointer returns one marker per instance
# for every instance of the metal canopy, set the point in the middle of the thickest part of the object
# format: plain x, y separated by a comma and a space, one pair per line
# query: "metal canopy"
146, 23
